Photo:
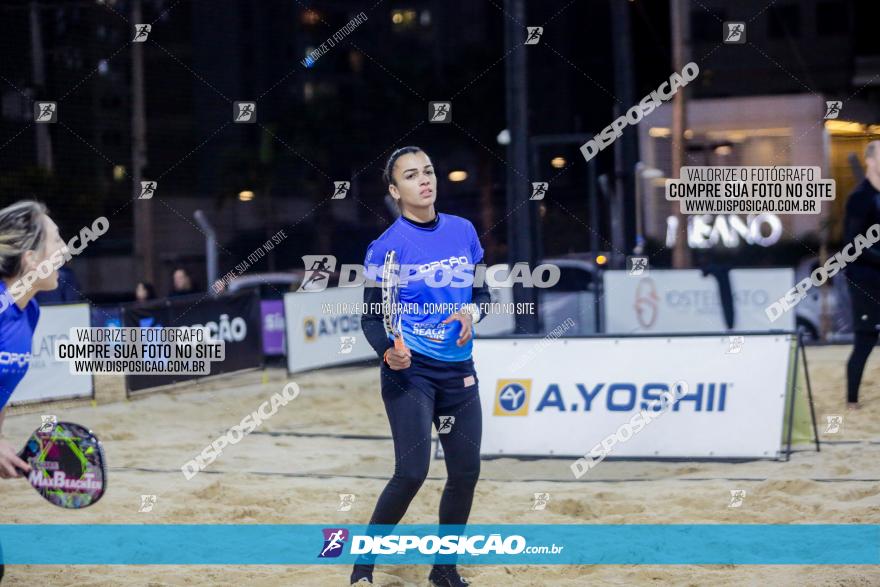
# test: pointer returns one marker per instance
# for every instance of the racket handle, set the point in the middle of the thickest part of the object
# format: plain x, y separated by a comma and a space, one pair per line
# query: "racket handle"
399, 344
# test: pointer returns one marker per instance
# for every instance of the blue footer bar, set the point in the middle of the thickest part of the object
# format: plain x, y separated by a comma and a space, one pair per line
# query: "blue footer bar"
518, 544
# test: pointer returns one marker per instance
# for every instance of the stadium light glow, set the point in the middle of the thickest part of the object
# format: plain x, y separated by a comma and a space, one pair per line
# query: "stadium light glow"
558, 162
458, 175
845, 127
601, 259
246, 196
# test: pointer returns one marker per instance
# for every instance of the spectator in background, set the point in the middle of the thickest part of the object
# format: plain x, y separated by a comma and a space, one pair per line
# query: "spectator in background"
68, 289
181, 283
144, 291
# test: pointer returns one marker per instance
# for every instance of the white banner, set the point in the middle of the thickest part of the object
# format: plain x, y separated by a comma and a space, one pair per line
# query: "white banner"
48, 379
683, 300
324, 328
564, 396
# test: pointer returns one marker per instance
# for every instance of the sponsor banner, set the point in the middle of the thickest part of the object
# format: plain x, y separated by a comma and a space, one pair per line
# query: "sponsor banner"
324, 328
272, 317
579, 391
683, 300
47, 378
234, 319
492, 544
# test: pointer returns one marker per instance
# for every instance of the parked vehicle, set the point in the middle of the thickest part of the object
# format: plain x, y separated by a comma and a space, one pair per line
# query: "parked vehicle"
272, 286
575, 296
808, 312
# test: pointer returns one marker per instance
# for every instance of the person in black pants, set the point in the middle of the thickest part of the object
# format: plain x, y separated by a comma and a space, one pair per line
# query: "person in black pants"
863, 274
433, 380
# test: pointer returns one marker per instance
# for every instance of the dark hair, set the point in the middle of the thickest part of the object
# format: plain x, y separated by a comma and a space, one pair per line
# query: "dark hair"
151, 291
387, 175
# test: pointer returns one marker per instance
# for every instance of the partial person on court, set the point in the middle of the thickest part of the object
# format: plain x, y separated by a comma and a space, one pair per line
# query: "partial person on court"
863, 274
28, 238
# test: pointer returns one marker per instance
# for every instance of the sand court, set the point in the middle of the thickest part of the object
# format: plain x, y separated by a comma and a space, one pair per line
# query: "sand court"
334, 439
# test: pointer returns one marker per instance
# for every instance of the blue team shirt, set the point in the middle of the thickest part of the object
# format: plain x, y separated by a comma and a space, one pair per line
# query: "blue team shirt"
439, 254
16, 333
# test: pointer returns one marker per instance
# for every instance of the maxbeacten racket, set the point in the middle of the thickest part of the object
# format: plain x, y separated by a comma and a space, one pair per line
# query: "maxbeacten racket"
67, 465
391, 299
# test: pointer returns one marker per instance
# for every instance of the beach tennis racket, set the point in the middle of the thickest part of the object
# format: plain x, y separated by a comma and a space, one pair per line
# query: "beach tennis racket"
67, 465
391, 299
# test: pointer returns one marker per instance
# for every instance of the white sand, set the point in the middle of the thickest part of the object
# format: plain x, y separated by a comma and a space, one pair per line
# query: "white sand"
149, 438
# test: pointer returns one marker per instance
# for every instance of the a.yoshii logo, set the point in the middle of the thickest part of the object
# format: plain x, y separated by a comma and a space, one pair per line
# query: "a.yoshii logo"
512, 397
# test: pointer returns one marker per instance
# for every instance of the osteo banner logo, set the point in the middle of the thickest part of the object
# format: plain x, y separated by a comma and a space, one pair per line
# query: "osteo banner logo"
646, 303
334, 542
512, 397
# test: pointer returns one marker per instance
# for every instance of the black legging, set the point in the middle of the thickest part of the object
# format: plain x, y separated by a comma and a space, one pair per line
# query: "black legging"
411, 415
862, 347
414, 402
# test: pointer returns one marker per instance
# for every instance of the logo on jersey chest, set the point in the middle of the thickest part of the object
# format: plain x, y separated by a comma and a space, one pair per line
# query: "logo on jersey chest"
448, 263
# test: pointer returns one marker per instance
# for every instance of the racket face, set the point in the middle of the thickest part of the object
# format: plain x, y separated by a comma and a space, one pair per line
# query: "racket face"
67, 465
391, 294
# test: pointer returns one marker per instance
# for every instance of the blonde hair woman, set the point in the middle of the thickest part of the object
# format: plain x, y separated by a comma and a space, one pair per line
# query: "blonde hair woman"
28, 238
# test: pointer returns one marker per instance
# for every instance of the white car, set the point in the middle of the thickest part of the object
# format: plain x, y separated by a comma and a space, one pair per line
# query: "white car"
570, 305
575, 296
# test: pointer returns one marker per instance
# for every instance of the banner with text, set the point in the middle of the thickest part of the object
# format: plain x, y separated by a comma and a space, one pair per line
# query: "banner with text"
574, 393
47, 378
684, 300
234, 319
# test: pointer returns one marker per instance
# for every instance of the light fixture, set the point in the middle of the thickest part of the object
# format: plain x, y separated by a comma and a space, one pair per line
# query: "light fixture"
659, 132
458, 175
844, 127
246, 196
118, 172
404, 18
558, 162
310, 17
723, 150
601, 259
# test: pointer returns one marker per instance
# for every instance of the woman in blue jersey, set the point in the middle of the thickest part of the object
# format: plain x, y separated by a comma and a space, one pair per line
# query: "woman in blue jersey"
28, 237
433, 380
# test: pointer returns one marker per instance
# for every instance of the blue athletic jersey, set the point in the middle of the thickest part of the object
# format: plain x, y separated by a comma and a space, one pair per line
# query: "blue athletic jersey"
440, 254
16, 333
